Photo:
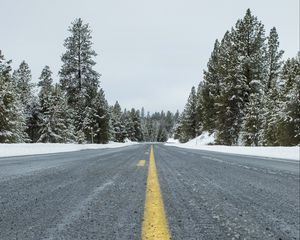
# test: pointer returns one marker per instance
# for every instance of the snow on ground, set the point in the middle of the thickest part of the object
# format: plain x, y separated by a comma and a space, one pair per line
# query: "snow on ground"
292, 153
172, 140
20, 149
204, 139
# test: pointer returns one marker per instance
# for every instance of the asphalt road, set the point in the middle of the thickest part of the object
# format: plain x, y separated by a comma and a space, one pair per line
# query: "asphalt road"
100, 194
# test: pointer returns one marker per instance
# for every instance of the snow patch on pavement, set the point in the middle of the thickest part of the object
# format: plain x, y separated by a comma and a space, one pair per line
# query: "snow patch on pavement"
200, 142
21, 149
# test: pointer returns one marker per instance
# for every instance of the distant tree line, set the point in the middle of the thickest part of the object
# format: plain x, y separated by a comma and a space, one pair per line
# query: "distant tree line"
249, 95
75, 109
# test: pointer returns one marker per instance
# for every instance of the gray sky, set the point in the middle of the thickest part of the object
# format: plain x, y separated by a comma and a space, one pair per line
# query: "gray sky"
150, 53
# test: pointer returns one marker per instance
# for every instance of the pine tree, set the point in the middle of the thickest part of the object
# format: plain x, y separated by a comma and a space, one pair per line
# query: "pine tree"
46, 105
200, 112
54, 119
77, 75
137, 128
229, 102
178, 129
33, 120
101, 118
162, 135
209, 91
46, 84
290, 71
274, 61
242, 67
12, 116
169, 122
176, 116
118, 127
271, 97
249, 43
189, 118
24, 89
148, 128
129, 125
144, 121
288, 130
80, 80
22, 77
253, 120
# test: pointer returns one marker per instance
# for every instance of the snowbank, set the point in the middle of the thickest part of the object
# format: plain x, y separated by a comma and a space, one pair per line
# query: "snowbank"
172, 140
292, 153
204, 139
21, 149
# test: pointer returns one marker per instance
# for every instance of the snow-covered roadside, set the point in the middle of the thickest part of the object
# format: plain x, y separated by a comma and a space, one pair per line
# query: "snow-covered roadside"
291, 153
20, 149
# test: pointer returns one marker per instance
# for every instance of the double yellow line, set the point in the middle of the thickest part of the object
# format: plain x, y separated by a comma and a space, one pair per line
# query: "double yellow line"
155, 224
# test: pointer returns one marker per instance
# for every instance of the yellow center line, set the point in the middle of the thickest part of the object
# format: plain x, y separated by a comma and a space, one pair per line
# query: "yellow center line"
141, 163
155, 224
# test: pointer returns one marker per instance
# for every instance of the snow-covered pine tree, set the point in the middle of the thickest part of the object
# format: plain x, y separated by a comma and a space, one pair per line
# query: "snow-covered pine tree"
288, 126
32, 122
169, 122
210, 90
148, 128
79, 79
22, 77
189, 118
64, 117
144, 121
290, 71
38, 105
46, 84
136, 120
142, 113
253, 119
178, 128
124, 123
229, 102
271, 97
68, 132
54, 114
101, 118
274, 59
200, 109
46, 106
242, 67
118, 127
46, 88
133, 125
89, 123
176, 116
155, 128
55, 118
80, 137
129, 126
12, 116
162, 135
249, 43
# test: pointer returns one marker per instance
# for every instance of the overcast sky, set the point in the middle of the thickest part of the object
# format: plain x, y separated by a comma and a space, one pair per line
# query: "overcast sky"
150, 53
